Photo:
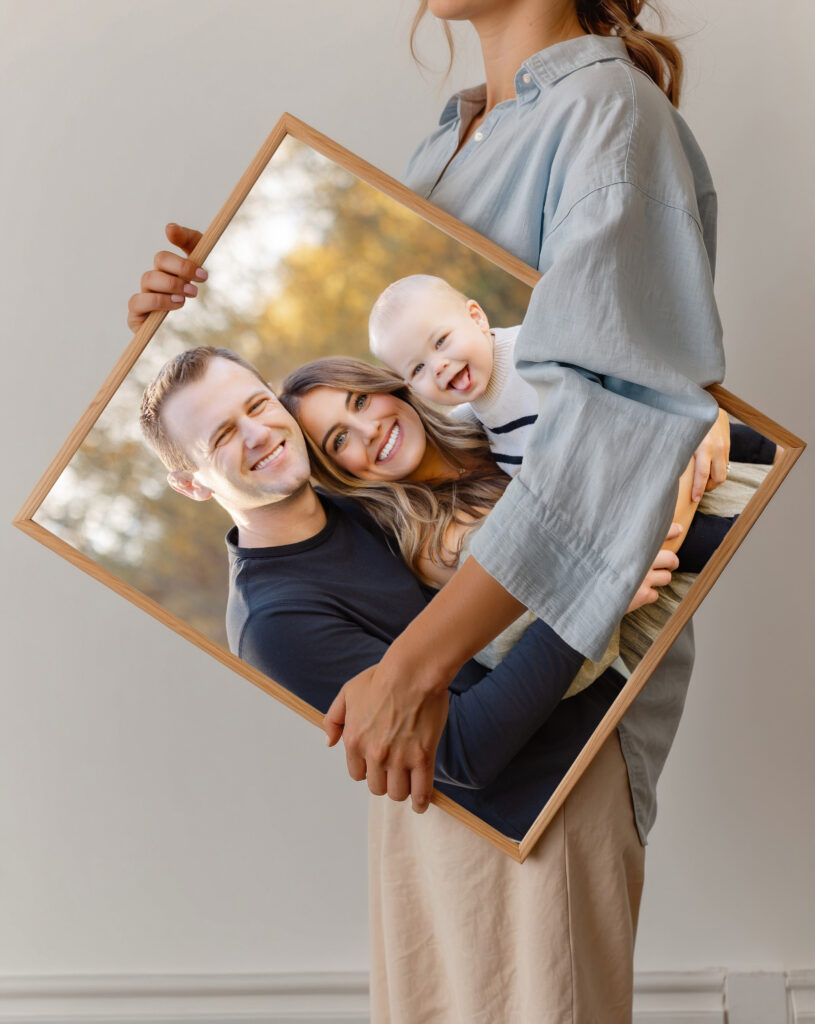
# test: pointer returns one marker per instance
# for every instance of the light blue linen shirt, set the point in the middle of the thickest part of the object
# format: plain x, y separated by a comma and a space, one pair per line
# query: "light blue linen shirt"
592, 176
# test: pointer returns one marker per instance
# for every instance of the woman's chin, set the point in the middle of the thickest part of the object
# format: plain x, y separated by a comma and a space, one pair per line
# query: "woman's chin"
382, 473
403, 465
391, 473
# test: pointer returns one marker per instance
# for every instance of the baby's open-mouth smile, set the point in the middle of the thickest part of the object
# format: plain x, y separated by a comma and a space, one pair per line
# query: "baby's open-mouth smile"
461, 381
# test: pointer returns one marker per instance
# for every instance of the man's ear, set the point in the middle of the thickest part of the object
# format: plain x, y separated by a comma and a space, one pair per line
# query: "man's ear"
185, 483
475, 312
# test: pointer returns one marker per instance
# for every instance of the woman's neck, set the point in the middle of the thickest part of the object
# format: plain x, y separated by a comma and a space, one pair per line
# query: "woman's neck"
512, 32
434, 466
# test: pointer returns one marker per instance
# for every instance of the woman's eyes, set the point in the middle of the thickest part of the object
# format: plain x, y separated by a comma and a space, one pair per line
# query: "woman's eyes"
358, 403
219, 440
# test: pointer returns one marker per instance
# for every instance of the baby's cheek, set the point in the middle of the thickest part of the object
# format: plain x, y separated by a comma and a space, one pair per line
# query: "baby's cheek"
425, 391
481, 379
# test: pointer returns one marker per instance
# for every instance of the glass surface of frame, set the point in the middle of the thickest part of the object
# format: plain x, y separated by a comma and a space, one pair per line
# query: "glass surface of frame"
306, 242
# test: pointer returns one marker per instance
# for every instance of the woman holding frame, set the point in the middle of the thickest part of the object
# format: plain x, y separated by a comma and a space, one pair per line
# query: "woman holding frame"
572, 157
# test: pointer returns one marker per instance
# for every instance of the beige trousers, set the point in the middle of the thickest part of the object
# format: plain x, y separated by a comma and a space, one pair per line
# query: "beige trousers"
462, 934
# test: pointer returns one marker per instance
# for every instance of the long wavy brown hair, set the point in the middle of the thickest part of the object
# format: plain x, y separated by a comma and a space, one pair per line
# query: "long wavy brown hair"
415, 514
654, 54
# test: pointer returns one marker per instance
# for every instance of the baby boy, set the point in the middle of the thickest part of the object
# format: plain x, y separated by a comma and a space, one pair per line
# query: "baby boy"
441, 343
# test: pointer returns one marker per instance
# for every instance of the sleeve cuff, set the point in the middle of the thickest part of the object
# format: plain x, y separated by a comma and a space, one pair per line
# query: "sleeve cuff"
529, 549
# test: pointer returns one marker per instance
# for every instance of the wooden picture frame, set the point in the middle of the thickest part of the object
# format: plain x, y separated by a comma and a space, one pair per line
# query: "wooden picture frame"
291, 126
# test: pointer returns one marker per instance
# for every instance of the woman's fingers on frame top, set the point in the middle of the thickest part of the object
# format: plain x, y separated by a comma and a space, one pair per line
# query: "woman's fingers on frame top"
184, 238
166, 283
144, 303
170, 282
172, 263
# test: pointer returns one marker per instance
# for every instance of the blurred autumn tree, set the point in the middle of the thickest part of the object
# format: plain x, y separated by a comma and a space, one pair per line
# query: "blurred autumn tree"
292, 278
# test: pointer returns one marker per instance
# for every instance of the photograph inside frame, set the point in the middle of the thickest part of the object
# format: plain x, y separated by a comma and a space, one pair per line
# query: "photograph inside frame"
407, 450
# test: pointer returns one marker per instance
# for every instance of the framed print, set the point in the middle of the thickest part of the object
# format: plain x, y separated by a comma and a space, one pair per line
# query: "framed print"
297, 257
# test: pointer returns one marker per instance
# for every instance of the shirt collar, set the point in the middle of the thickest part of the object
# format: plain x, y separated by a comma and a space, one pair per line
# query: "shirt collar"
544, 68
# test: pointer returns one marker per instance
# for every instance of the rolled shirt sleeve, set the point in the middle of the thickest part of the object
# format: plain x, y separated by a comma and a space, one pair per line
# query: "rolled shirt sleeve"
592, 176
620, 337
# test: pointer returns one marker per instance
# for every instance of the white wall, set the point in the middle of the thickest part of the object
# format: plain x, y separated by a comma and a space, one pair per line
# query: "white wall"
160, 814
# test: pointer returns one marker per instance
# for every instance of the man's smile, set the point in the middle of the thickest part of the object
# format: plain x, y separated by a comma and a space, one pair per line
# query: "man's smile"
270, 457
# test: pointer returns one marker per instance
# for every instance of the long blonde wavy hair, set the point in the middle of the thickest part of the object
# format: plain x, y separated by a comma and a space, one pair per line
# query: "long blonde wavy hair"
654, 54
415, 514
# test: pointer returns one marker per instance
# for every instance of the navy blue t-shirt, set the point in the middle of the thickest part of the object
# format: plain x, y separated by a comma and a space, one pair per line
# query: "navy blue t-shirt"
314, 614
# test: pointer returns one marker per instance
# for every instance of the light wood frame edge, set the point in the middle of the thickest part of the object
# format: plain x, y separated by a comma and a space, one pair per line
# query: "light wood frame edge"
286, 125
24, 520
290, 125
254, 676
792, 448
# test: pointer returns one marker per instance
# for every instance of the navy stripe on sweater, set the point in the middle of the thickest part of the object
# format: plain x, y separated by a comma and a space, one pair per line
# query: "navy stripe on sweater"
514, 424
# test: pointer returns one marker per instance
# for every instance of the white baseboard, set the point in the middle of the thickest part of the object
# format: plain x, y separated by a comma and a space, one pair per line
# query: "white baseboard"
801, 991
680, 997
301, 998
672, 997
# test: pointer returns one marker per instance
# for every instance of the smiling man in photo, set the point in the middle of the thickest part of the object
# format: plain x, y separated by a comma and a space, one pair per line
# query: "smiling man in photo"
316, 594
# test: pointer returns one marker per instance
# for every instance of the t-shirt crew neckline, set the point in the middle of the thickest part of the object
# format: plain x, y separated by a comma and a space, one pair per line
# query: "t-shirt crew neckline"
283, 550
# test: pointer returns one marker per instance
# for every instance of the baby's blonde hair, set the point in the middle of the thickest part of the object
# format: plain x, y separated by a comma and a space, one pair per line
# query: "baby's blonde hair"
395, 299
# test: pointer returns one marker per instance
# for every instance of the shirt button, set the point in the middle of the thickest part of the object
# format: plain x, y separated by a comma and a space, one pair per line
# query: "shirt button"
527, 78
478, 136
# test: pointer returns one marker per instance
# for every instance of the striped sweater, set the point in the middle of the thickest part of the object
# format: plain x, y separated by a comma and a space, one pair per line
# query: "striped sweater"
509, 406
